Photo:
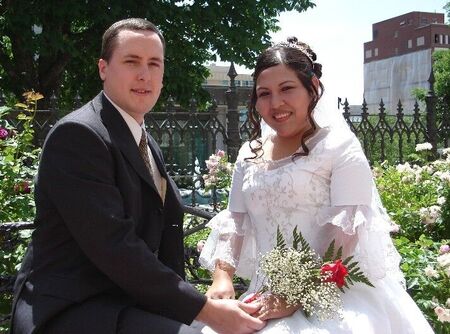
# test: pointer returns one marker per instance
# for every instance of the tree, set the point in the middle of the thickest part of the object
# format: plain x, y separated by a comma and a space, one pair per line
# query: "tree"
52, 46
441, 67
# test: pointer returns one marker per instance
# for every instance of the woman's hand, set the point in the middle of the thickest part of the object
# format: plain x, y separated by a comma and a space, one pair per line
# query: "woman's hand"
222, 286
274, 307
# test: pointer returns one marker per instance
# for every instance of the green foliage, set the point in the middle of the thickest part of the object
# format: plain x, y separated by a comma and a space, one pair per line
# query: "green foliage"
419, 93
57, 47
18, 166
428, 289
441, 68
417, 197
18, 162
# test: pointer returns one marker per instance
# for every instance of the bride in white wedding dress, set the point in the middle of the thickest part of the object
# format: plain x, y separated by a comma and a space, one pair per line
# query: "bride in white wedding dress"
315, 178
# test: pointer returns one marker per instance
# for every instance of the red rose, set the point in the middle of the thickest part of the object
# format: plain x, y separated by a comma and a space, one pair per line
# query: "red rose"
22, 187
336, 272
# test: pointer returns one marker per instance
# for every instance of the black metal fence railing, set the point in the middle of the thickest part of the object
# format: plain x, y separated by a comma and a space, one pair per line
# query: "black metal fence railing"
188, 136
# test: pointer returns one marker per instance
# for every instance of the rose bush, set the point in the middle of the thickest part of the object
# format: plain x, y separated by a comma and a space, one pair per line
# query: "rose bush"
416, 195
18, 166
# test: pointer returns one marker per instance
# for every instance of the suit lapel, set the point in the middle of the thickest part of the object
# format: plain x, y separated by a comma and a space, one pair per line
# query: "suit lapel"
121, 135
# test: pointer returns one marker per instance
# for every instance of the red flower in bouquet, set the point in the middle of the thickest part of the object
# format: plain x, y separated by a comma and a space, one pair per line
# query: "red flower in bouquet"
336, 272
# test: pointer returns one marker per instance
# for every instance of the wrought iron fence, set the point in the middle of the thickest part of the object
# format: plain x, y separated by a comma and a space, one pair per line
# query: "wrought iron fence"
188, 136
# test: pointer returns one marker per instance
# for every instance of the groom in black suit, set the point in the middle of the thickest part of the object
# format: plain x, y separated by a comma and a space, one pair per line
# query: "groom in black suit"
107, 252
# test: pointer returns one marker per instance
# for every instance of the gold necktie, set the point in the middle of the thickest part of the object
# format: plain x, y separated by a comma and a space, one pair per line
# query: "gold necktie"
143, 149
160, 182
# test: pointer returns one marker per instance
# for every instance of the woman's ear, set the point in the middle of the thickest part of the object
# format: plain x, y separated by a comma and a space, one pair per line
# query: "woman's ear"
315, 82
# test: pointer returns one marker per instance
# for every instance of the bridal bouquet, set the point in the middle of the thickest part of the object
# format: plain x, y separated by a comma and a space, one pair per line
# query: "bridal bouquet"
301, 277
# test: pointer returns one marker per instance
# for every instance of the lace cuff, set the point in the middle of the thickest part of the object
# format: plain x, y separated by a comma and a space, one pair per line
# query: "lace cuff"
231, 240
364, 230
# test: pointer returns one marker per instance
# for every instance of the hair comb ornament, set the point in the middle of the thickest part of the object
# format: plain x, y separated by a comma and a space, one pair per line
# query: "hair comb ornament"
292, 42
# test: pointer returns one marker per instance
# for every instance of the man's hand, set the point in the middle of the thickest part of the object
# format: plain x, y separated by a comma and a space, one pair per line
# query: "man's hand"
231, 316
273, 307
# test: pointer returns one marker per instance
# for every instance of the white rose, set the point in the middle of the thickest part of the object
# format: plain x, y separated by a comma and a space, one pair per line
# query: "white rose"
443, 314
430, 272
423, 147
403, 168
444, 260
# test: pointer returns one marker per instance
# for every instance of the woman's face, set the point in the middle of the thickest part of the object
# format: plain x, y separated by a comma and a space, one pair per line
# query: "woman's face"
282, 101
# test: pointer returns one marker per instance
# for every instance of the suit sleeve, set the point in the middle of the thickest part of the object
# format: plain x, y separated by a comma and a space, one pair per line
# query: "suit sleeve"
77, 174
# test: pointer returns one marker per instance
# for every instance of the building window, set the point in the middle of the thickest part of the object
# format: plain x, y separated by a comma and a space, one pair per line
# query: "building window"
409, 43
420, 41
446, 39
436, 38
375, 52
225, 82
395, 34
424, 20
434, 20
369, 53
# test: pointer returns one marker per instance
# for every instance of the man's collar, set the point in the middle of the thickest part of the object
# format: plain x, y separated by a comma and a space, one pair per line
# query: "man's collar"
133, 125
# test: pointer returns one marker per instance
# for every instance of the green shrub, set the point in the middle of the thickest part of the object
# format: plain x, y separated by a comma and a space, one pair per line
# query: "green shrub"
18, 166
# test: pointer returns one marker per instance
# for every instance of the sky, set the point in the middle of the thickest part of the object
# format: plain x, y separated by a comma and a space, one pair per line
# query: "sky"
336, 30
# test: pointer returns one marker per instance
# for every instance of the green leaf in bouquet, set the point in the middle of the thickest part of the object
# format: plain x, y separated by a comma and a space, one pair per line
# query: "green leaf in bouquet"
347, 260
299, 239
338, 253
281, 243
329, 253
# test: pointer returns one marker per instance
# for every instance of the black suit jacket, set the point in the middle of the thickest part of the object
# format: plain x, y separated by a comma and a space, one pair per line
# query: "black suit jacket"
101, 228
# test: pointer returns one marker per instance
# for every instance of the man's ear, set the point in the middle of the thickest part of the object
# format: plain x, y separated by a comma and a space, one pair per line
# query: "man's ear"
102, 68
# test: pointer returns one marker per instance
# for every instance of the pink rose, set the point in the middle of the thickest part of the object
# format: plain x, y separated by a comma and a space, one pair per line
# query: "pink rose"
3, 133
444, 249
220, 153
200, 245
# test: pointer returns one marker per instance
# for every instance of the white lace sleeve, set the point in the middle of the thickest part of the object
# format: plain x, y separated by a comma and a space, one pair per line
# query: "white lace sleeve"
232, 238
356, 217
364, 232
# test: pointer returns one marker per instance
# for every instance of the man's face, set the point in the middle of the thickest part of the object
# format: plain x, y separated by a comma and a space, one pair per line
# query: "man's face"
132, 78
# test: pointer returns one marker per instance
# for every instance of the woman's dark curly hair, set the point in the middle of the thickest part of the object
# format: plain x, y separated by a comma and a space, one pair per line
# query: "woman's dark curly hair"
299, 57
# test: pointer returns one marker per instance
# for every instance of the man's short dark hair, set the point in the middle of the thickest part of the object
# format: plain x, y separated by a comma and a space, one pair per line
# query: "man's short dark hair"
110, 36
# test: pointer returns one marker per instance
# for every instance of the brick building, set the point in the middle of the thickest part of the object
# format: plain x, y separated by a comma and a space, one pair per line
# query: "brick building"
398, 58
